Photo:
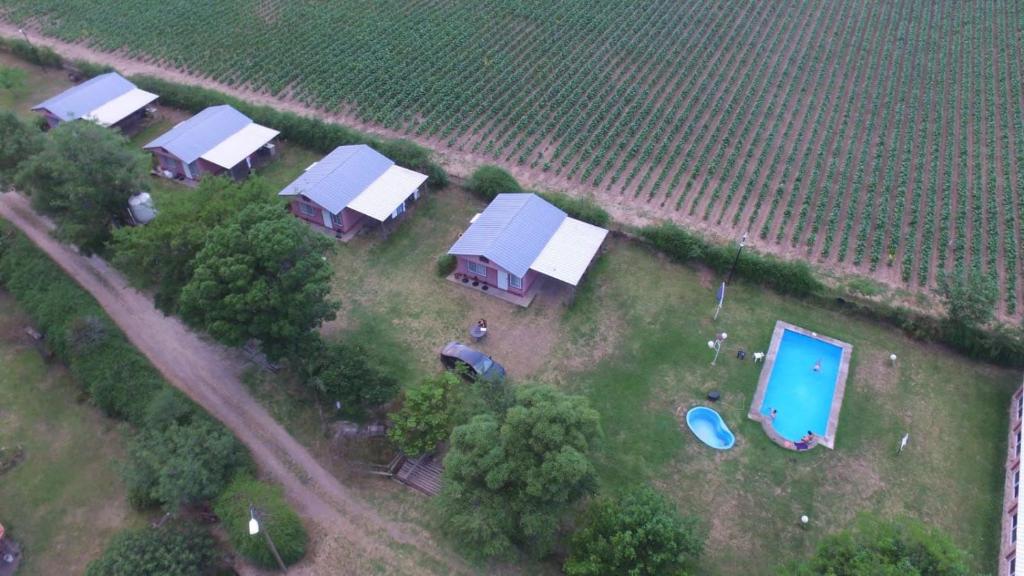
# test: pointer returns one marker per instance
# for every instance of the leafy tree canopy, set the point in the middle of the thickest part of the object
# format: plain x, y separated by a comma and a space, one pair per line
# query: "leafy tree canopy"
261, 275
638, 533
160, 254
174, 549
84, 176
508, 479
18, 141
876, 547
182, 463
276, 518
426, 417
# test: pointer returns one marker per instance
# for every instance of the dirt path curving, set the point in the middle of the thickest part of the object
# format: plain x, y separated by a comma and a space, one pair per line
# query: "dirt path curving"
349, 535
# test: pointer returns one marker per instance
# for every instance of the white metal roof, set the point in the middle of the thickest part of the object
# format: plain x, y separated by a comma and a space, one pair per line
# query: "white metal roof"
569, 252
119, 108
383, 196
240, 145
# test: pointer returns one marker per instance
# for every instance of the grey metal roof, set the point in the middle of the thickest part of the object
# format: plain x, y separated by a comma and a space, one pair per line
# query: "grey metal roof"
511, 232
339, 177
80, 100
201, 133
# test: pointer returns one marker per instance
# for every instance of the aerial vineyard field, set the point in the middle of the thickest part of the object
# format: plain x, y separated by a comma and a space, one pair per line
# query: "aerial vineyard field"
884, 137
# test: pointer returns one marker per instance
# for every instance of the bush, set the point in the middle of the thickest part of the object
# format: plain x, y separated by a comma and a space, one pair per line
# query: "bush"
639, 533
446, 264
182, 464
41, 55
488, 181
174, 549
584, 209
119, 380
91, 69
346, 372
277, 519
303, 130
878, 547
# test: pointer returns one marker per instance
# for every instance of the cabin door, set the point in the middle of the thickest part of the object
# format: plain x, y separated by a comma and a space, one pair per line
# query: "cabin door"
502, 279
328, 223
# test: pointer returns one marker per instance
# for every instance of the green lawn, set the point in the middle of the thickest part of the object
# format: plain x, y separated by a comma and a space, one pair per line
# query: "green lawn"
634, 342
66, 499
39, 85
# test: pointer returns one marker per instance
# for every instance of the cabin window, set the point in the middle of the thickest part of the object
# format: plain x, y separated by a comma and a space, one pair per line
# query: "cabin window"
515, 281
1020, 407
1013, 528
306, 210
1013, 566
193, 169
1016, 484
1018, 444
336, 220
478, 269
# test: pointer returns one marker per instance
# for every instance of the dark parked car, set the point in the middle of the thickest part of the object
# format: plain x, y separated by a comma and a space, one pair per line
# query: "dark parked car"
477, 364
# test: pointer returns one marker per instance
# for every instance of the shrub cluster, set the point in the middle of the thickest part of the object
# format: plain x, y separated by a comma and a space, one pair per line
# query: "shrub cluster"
446, 264
41, 55
276, 518
173, 549
91, 69
488, 181
303, 130
794, 278
584, 209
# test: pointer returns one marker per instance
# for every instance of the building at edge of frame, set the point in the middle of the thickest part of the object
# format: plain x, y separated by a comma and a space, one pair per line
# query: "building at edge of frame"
1010, 546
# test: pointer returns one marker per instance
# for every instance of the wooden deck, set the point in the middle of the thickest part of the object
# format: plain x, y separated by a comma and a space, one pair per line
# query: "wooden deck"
422, 473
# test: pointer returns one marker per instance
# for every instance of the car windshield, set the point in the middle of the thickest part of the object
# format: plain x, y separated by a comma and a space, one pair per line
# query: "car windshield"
483, 365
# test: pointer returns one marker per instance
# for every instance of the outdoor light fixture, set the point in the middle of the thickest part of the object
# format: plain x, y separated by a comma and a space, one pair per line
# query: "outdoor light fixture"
716, 345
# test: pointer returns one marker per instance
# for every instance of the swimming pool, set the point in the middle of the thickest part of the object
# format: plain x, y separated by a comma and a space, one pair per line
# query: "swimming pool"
803, 380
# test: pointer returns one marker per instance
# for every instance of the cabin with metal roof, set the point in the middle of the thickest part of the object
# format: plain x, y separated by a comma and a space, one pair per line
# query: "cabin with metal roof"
218, 140
350, 187
520, 239
107, 99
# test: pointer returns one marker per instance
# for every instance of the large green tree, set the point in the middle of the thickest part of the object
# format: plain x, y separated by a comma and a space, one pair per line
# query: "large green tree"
876, 547
160, 254
261, 275
508, 480
174, 549
18, 142
83, 177
427, 415
182, 463
638, 533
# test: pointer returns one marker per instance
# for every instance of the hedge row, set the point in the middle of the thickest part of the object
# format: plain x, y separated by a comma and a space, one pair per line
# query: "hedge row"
119, 379
303, 130
787, 277
40, 55
1001, 345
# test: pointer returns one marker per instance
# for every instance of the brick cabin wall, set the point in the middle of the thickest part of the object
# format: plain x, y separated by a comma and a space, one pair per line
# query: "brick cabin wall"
1007, 547
491, 278
349, 218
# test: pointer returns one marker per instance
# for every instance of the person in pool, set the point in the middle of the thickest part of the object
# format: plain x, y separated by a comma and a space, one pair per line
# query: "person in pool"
817, 365
772, 415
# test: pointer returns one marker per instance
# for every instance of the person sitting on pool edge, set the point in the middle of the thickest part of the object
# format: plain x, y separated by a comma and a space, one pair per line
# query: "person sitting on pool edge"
808, 438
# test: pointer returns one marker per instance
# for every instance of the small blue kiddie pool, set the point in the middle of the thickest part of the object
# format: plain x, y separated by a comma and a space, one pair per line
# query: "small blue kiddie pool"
708, 425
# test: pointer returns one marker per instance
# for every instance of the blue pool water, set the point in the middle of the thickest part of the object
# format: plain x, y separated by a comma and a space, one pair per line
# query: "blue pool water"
802, 396
708, 425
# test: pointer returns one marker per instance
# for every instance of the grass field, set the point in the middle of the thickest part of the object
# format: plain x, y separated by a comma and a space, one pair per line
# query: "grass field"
634, 343
66, 499
881, 137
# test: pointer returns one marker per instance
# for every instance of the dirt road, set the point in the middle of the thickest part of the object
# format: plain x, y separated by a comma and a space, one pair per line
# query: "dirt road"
350, 536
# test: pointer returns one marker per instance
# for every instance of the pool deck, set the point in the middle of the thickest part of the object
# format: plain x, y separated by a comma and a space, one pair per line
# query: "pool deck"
829, 439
